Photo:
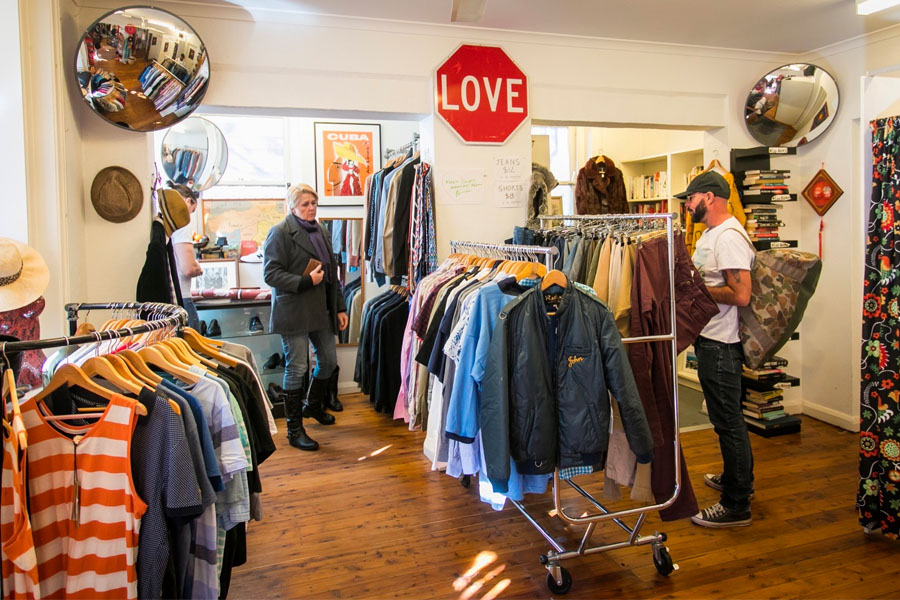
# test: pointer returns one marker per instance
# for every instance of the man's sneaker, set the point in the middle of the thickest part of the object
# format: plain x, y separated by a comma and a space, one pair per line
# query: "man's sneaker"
714, 480
718, 516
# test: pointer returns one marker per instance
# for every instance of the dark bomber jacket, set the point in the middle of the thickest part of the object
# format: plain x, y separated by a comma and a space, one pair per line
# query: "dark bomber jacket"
555, 413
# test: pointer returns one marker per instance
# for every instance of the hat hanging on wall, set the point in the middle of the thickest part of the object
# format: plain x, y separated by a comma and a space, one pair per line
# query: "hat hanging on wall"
23, 275
117, 194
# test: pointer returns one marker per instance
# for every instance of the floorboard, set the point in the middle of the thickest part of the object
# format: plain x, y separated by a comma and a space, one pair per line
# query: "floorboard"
366, 517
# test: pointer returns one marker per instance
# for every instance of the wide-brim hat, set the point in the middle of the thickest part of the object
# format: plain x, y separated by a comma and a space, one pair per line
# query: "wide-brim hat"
348, 151
23, 275
117, 194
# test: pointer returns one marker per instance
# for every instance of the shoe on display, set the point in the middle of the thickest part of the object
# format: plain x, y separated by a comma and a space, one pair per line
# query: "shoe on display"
275, 393
256, 325
717, 517
714, 480
203, 328
214, 329
273, 362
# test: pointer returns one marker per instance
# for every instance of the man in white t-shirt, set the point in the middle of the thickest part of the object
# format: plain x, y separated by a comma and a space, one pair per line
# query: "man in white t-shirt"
723, 255
183, 246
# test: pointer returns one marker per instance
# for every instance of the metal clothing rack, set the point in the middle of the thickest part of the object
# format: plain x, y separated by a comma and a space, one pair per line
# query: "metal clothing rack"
158, 315
507, 250
558, 578
414, 144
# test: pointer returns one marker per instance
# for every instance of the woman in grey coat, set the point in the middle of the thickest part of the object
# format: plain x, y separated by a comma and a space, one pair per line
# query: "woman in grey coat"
305, 308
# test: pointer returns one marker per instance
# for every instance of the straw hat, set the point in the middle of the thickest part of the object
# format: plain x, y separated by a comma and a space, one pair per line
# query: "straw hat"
348, 151
117, 194
23, 275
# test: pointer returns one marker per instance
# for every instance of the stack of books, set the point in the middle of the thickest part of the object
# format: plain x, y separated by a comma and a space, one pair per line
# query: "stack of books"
650, 187
762, 222
763, 394
764, 186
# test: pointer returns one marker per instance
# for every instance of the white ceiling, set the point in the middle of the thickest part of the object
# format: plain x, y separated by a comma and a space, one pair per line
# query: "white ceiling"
793, 26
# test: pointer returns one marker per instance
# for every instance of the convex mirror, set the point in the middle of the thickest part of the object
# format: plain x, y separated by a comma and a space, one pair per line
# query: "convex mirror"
792, 105
194, 152
141, 68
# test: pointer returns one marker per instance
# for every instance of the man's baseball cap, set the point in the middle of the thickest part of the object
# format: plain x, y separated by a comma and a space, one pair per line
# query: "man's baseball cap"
709, 181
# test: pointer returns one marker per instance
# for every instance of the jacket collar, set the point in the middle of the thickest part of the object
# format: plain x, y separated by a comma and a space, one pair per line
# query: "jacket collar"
298, 234
592, 171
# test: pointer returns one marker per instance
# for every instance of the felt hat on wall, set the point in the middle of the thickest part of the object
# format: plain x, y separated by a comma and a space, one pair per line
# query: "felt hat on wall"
117, 194
23, 275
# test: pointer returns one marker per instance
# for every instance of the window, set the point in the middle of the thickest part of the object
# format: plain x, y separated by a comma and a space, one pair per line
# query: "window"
256, 149
560, 164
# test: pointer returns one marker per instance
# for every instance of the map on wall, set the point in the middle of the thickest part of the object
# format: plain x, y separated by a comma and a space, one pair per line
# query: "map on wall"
252, 218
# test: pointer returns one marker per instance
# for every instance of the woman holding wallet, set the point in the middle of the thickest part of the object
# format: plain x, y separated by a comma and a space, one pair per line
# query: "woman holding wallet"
307, 306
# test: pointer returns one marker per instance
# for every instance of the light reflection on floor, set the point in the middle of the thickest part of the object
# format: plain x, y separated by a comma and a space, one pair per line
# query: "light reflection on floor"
374, 453
469, 587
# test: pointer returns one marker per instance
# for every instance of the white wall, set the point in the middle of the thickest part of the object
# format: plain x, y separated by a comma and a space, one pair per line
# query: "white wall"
12, 129
386, 73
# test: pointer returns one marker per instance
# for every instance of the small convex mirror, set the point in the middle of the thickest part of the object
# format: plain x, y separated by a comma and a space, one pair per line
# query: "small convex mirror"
792, 105
194, 152
141, 68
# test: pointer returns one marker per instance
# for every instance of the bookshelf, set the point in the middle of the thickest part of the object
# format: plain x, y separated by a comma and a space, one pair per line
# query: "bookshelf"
651, 181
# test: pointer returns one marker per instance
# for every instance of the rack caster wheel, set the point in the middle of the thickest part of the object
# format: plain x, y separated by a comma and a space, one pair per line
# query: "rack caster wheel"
465, 481
560, 588
663, 561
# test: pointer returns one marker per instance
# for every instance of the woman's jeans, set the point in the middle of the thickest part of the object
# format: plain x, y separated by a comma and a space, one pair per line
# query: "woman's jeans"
296, 356
719, 371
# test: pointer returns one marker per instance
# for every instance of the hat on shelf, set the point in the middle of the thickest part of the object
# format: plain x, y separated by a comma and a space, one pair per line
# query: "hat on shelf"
708, 181
117, 194
174, 210
348, 151
23, 275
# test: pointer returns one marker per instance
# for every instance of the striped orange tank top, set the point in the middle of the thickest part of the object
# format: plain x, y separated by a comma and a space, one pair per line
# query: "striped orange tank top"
85, 512
19, 563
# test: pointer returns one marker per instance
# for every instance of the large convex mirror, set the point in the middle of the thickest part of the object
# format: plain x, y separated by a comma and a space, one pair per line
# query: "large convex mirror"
142, 68
194, 153
792, 105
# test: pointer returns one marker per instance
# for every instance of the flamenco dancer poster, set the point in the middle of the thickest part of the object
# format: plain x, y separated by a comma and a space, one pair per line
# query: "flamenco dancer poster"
346, 155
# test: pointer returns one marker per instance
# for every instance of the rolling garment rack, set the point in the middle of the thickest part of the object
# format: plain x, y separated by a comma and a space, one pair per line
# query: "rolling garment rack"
158, 316
558, 578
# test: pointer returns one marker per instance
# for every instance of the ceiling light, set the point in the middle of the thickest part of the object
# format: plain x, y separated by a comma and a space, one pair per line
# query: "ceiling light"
868, 7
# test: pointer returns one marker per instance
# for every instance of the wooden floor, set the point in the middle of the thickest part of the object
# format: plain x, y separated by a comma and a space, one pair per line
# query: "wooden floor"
365, 517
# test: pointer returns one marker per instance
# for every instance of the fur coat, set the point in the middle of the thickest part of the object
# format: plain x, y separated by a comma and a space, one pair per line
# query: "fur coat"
599, 193
542, 182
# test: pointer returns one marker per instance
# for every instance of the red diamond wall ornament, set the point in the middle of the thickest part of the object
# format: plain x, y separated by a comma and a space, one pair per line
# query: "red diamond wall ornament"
822, 192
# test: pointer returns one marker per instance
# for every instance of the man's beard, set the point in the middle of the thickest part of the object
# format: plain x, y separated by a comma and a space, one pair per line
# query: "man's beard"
699, 213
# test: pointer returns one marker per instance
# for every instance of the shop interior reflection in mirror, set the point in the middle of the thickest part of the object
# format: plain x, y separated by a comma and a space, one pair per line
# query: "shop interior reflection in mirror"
346, 235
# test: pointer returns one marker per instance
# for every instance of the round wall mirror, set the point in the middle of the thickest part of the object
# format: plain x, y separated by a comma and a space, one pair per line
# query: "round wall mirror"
141, 68
792, 105
194, 153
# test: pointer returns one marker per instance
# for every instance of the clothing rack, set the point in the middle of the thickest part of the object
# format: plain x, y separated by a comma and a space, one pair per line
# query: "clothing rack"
413, 145
160, 316
558, 579
508, 250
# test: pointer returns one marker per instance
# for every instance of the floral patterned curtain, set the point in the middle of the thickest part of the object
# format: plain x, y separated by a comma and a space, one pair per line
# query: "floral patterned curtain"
878, 496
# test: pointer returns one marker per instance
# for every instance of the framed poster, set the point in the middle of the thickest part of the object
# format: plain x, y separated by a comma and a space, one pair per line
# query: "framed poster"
251, 219
218, 274
191, 54
346, 155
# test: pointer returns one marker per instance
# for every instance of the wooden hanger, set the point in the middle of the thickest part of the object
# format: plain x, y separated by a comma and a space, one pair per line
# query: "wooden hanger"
202, 345
554, 277
9, 382
715, 164
138, 365
152, 356
101, 367
70, 375
146, 379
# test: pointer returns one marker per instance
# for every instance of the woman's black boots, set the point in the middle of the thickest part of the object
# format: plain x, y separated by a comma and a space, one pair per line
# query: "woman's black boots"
293, 411
331, 397
315, 402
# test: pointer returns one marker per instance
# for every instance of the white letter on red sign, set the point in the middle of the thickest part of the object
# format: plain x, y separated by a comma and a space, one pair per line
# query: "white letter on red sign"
470, 106
510, 94
492, 98
444, 104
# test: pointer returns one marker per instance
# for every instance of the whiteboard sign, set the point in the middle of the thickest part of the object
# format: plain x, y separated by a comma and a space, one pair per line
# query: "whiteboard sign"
462, 186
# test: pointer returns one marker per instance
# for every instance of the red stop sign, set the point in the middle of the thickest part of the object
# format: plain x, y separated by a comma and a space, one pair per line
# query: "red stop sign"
481, 94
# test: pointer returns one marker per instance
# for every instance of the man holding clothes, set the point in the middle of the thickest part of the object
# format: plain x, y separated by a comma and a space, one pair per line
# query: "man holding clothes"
724, 256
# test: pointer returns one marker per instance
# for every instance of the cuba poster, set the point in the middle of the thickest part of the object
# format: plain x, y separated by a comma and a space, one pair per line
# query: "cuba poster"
346, 155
